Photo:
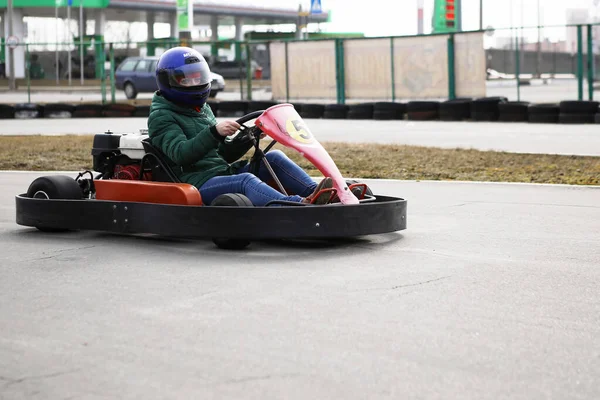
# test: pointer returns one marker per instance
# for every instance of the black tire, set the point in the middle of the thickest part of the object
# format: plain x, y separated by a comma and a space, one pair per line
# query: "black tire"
576, 118
421, 106
578, 107
540, 118
422, 110
335, 111
513, 117
259, 105
118, 110
28, 110
455, 109
236, 108
486, 108
514, 107
384, 108
7, 111
231, 200
309, 110
297, 107
360, 111
54, 187
130, 91
513, 111
141, 111
597, 118
422, 115
484, 116
214, 106
389, 114
88, 111
58, 110
544, 108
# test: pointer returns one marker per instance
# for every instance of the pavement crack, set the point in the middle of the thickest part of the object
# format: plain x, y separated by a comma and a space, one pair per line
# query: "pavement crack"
404, 286
254, 378
59, 252
420, 283
10, 382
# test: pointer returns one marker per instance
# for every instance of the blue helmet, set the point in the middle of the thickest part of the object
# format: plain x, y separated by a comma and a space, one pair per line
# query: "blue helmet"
183, 76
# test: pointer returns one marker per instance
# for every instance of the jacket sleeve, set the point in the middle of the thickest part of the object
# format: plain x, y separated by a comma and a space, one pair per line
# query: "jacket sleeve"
166, 134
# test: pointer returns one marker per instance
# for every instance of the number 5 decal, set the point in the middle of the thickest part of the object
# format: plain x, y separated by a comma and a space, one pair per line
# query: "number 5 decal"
298, 131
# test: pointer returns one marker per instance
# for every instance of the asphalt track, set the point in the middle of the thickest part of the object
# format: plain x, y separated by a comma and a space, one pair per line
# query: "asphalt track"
511, 137
491, 293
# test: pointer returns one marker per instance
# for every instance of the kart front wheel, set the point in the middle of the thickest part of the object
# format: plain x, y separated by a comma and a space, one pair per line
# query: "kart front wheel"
231, 200
56, 187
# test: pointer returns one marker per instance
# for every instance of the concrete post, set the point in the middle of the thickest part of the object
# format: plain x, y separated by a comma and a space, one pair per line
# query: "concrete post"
174, 27
239, 36
18, 30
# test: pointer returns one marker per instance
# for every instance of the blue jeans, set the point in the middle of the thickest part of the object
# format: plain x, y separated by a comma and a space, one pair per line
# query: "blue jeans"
293, 178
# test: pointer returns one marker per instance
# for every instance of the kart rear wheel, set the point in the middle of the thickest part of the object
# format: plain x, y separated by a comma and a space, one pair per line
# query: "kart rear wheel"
57, 187
231, 200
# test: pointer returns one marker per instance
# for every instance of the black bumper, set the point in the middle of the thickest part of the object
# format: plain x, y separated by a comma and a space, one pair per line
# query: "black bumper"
384, 215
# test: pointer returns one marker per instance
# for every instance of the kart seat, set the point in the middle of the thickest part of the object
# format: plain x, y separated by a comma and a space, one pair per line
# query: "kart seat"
158, 164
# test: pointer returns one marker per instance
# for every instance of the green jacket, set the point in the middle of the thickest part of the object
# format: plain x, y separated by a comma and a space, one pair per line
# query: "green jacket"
190, 140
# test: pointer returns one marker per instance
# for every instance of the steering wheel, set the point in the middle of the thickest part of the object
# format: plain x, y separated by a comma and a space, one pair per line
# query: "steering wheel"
252, 135
247, 134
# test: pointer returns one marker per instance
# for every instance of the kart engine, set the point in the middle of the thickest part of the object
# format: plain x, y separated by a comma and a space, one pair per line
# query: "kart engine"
119, 155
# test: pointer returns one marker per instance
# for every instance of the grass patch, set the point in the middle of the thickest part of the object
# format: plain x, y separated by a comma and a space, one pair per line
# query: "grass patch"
71, 152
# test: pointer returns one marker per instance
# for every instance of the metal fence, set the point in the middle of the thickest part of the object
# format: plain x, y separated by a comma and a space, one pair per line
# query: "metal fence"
520, 63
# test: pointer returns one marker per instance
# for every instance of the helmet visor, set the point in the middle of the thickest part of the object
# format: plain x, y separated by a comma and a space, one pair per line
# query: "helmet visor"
190, 75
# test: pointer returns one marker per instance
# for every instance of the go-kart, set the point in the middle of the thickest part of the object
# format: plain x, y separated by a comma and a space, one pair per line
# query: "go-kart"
137, 191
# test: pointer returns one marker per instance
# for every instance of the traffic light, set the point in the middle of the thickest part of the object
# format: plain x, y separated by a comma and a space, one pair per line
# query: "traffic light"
446, 16
450, 14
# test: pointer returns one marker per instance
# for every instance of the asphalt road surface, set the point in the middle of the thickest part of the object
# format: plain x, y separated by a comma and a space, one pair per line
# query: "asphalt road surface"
491, 293
511, 137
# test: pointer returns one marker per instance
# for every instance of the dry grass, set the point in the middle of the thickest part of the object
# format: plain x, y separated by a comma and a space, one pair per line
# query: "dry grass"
356, 160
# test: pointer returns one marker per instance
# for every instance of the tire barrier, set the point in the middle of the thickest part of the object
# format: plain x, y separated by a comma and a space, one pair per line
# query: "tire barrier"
422, 110
384, 110
235, 109
513, 111
543, 113
455, 109
335, 111
577, 112
486, 108
460, 109
360, 111
28, 110
58, 110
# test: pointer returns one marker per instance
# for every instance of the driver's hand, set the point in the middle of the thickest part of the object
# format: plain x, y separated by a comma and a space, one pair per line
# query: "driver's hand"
227, 128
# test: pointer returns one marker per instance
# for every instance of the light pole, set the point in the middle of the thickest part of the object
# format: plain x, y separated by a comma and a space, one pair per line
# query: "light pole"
480, 15
539, 43
11, 51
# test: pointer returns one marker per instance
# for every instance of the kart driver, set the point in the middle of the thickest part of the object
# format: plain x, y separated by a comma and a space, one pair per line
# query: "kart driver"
184, 127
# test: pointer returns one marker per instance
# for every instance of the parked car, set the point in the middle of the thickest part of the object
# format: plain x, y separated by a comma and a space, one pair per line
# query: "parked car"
137, 75
234, 69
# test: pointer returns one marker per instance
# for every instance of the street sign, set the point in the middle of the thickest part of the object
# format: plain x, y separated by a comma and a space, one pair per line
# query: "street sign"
315, 7
12, 42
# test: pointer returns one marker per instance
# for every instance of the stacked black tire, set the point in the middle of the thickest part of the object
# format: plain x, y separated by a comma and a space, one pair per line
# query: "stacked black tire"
455, 109
422, 110
486, 108
384, 110
543, 113
578, 112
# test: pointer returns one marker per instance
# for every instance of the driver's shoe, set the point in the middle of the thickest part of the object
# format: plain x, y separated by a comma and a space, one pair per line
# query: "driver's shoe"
322, 193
